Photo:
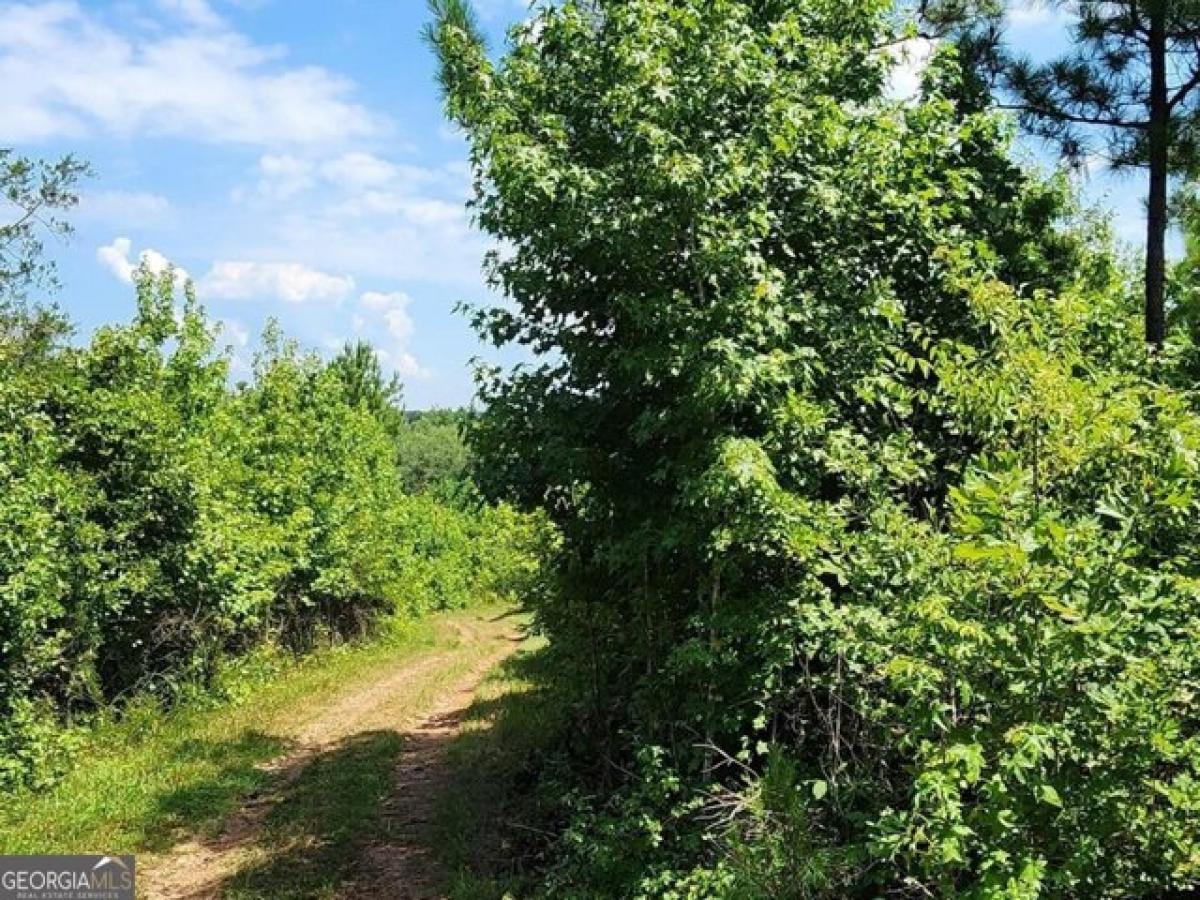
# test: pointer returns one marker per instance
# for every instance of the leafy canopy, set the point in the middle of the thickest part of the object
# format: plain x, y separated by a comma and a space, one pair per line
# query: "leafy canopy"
874, 576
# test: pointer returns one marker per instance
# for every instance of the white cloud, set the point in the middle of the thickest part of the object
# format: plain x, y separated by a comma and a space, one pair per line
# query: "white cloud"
401, 205
399, 324
910, 57
1034, 14
378, 302
68, 74
403, 363
358, 212
400, 245
117, 257
291, 282
393, 309
358, 171
286, 175
234, 332
502, 10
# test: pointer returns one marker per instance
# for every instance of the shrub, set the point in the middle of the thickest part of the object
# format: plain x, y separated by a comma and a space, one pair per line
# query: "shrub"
154, 521
874, 510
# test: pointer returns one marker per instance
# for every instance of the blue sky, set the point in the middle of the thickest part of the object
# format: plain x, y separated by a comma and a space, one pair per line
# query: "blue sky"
290, 156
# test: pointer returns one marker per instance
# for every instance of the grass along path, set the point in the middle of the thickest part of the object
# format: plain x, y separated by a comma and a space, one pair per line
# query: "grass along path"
489, 828
282, 794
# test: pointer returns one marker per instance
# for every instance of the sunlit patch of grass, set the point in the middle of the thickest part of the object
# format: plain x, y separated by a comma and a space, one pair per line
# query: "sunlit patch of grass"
314, 836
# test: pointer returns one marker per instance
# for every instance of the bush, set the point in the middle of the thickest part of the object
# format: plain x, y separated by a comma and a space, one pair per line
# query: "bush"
154, 521
874, 510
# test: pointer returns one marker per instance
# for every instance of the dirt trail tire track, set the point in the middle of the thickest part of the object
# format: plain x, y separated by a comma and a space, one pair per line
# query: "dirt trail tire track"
404, 867
198, 868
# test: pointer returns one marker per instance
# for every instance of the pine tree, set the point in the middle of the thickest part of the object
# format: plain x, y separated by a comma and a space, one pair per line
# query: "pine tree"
357, 368
35, 193
1134, 75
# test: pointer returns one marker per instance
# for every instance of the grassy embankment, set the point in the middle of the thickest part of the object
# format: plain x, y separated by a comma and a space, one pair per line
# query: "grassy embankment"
144, 783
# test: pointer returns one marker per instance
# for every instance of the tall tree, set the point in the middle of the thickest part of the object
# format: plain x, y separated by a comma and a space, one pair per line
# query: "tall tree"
34, 193
357, 368
33, 196
776, 403
1133, 76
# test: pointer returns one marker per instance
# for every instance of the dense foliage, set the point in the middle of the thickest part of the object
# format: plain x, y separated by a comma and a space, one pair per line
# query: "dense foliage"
432, 454
152, 521
878, 573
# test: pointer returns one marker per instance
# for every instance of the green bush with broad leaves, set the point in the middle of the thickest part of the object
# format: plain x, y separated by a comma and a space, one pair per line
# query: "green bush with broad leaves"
154, 521
878, 571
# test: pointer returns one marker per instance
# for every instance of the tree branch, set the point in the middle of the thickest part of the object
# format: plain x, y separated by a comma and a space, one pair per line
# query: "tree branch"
1190, 85
1184, 90
1079, 119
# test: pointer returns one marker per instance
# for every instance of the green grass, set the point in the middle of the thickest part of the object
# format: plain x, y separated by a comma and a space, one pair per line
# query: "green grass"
316, 831
141, 784
487, 829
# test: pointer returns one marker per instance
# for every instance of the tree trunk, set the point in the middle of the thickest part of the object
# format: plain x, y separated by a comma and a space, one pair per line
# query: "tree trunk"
1159, 137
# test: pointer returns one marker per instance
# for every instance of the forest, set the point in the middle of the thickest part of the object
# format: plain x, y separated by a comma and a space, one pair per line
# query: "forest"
849, 481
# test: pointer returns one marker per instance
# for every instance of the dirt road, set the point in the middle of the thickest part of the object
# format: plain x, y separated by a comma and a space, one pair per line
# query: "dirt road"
289, 841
